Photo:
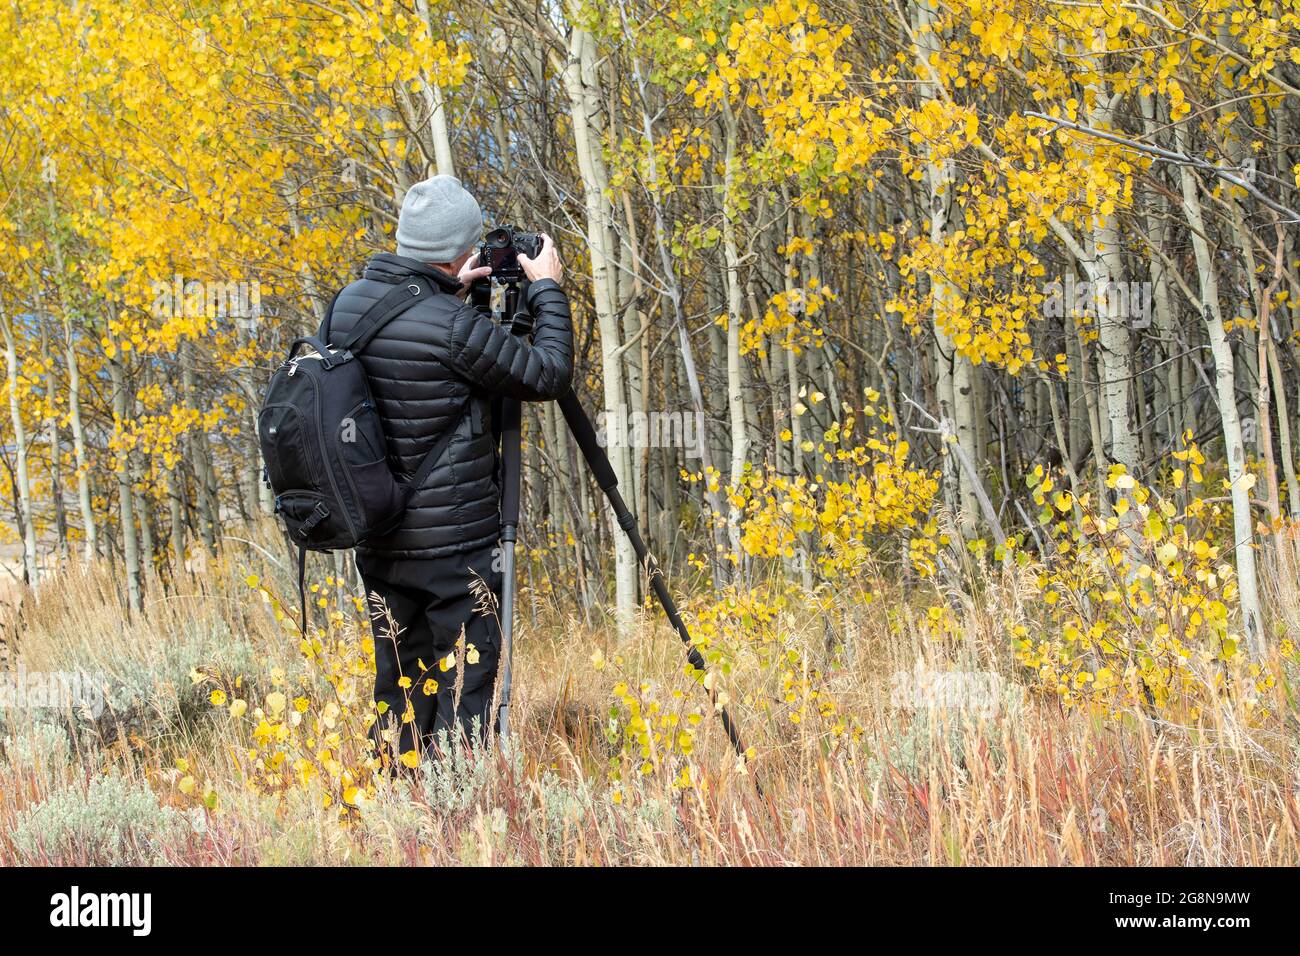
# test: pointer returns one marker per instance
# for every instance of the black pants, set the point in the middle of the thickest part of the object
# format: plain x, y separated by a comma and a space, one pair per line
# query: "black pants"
431, 601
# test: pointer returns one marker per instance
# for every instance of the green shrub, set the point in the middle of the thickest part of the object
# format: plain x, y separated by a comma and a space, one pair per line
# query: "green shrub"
38, 748
110, 822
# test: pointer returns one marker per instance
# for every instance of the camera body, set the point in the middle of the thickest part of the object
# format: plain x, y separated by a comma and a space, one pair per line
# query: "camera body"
501, 248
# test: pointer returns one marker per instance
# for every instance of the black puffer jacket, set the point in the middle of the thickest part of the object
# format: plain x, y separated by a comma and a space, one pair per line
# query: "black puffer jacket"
437, 366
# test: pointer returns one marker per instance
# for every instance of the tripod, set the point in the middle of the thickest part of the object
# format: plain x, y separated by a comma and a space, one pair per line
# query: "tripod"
584, 433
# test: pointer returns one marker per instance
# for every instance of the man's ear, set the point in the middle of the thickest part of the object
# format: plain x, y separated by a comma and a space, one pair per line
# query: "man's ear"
451, 268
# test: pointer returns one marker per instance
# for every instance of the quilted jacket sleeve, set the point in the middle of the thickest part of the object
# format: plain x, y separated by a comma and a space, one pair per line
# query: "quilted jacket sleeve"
492, 358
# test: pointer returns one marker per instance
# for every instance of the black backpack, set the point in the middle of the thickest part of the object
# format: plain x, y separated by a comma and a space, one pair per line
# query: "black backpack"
323, 442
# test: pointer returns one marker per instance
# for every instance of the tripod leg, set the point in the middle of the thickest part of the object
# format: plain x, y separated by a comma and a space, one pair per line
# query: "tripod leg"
585, 435
511, 413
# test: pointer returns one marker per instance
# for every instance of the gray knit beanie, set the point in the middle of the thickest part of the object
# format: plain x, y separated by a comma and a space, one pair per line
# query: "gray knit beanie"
439, 221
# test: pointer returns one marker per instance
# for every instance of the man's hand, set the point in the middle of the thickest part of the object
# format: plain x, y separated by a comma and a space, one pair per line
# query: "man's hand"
470, 272
546, 265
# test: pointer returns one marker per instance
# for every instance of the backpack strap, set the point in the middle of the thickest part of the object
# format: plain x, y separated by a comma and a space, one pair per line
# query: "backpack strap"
319, 514
434, 453
393, 303
302, 586
327, 357
323, 333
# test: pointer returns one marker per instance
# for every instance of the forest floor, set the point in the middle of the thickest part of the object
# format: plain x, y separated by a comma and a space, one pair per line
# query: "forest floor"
225, 738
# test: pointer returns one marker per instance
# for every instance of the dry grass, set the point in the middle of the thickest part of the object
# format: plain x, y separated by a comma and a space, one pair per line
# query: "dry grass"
922, 783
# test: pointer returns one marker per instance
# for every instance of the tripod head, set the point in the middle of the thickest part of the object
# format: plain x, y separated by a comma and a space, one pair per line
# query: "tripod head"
501, 299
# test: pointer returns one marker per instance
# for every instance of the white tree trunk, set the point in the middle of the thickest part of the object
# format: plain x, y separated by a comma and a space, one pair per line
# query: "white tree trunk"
79, 448
1225, 388
439, 137
735, 376
582, 84
954, 373
31, 571
125, 499
90, 531
1107, 275
439, 133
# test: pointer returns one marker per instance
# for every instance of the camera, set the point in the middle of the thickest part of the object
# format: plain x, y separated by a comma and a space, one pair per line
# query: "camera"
501, 249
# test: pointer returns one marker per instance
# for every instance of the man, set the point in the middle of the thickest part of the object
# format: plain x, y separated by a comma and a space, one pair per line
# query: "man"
437, 367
